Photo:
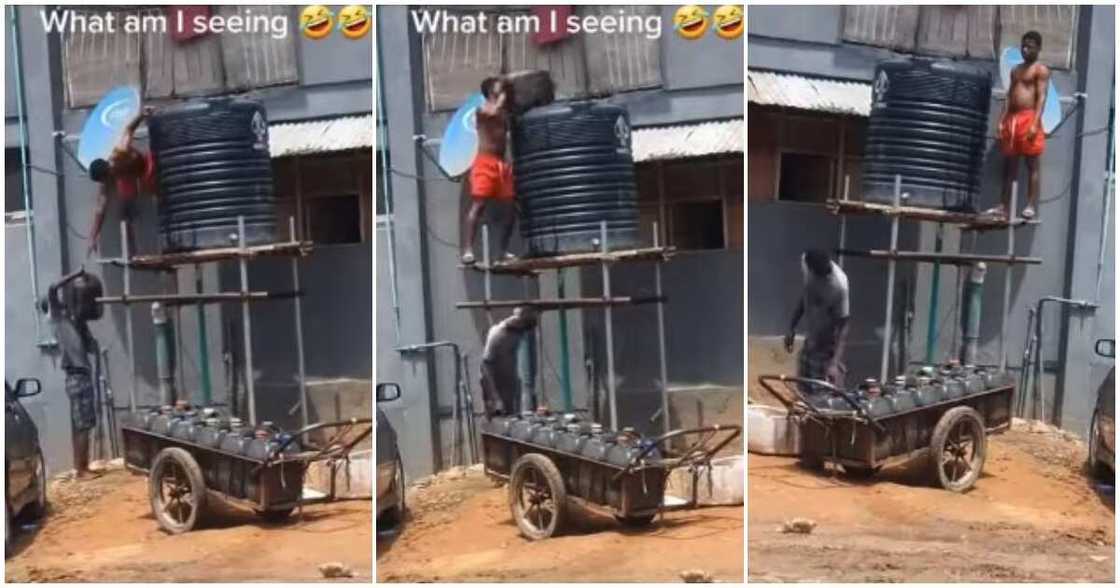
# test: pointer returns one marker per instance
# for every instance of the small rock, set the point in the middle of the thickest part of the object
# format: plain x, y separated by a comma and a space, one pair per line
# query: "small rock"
335, 569
696, 577
1098, 558
803, 526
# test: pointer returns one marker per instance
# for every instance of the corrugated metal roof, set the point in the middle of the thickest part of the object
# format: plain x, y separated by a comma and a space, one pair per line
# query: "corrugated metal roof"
320, 136
806, 93
693, 140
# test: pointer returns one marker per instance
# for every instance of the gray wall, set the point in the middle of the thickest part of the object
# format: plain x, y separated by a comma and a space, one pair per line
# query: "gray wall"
805, 40
63, 207
426, 230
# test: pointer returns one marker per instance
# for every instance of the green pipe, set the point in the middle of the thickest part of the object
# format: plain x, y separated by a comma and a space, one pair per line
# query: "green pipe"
935, 286
565, 359
203, 354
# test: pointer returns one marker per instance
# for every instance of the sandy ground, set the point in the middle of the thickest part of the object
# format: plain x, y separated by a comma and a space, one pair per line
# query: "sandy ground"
102, 530
460, 530
1032, 517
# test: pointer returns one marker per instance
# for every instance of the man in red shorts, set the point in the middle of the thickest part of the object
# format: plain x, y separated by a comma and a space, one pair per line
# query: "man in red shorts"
127, 172
1020, 126
491, 179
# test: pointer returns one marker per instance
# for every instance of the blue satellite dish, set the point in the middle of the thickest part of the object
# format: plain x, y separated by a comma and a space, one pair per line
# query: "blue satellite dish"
460, 139
1052, 110
105, 124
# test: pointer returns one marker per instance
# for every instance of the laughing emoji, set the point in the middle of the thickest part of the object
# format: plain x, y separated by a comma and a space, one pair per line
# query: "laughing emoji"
354, 21
728, 21
690, 21
316, 21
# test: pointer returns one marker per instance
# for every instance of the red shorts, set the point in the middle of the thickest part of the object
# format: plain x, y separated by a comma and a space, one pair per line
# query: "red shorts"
1013, 136
491, 177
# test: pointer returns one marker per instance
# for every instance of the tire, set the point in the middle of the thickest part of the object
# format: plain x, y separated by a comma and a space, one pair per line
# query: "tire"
1097, 469
954, 465
636, 521
176, 490
38, 508
861, 472
537, 496
391, 521
276, 516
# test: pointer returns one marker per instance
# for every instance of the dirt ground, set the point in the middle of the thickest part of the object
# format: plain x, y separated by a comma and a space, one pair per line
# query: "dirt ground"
102, 530
1032, 517
459, 530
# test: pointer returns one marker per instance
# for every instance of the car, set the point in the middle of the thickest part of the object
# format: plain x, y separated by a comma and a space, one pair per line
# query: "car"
25, 482
1102, 427
390, 468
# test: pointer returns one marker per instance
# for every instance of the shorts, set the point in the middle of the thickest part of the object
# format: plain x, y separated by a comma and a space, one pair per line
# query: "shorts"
79, 387
491, 177
1013, 136
814, 365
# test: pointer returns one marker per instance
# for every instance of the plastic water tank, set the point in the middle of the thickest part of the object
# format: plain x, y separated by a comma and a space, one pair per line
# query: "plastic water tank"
929, 123
213, 166
573, 169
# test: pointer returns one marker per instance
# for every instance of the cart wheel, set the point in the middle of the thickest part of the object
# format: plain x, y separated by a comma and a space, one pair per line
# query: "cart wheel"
861, 471
536, 496
958, 448
275, 516
636, 521
176, 490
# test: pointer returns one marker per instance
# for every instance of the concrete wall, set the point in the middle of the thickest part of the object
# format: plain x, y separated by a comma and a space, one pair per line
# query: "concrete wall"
63, 207
805, 40
426, 219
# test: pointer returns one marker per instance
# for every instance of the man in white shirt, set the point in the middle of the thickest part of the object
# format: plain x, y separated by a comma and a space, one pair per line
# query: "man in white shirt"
500, 384
824, 304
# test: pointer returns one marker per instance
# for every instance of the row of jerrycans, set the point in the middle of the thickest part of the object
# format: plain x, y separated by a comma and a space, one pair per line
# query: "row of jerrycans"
566, 433
925, 386
206, 427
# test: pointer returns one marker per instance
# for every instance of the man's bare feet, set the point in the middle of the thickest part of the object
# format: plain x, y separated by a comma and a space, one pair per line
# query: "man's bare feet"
1029, 213
999, 211
468, 258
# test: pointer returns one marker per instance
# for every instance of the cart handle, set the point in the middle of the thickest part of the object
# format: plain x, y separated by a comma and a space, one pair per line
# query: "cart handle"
331, 450
698, 452
803, 403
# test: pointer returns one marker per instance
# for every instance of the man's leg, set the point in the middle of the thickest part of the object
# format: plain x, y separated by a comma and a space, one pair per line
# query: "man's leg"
470, 227
1031, 210
1010, 173
79, 387
81, 453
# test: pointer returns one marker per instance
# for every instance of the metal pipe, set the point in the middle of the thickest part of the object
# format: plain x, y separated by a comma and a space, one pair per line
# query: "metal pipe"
459, 361
885, 357
165, 367
130, 340
203, 342
565, 357
21, 114
608, 315
1005, 315
661, 335
934, 297
246, 322
486, 274
843, 223
299, 329
388, 216
970, 315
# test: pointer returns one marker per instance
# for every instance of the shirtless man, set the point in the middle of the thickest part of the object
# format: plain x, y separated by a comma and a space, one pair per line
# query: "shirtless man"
500, 382
491, 178
1020, 126
127, 172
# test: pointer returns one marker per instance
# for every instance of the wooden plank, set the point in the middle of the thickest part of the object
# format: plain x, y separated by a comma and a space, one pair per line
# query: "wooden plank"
890, 26
178, 299
969, 220
564, 303
533, 264
170, 260
947, 258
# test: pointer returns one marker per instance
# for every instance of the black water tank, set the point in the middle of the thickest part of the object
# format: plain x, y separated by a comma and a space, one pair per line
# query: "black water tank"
929, 122
213, 164
573, 169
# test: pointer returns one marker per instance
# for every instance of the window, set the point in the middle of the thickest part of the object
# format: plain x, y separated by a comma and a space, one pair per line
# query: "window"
804, 156
13, 183
978, 32
455, 63
697, 203
166, 64
328, 194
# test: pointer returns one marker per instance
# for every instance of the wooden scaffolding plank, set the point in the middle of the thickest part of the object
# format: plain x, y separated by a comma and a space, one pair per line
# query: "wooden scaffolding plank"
176, 299
563, 303
531, 265
946, 258
967, 220
165, 261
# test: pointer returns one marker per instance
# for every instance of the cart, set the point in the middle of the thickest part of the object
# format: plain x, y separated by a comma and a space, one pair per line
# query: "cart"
183, 474
953, 433
543, 479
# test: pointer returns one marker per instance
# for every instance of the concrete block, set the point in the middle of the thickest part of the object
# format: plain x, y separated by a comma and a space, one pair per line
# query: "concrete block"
723, 485
353, 479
